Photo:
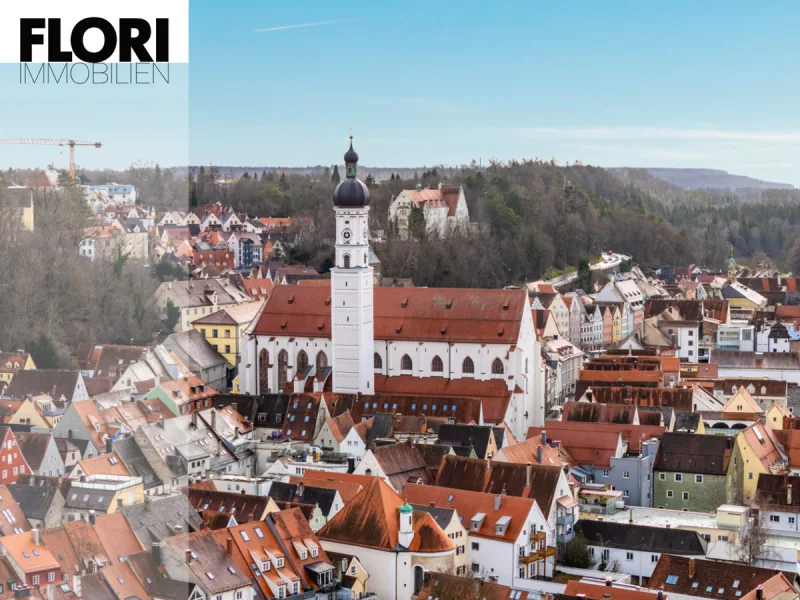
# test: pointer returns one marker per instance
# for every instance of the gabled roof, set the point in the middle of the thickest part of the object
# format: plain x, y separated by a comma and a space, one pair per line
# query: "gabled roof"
743, 399
471, 504
33, 500
588, 445
476, 436
208, 557
347, 489
155, 520
640, 538
371, 519
301, 493
402, 463
43, 381
34, 447
726, 579
244, 507
694, 453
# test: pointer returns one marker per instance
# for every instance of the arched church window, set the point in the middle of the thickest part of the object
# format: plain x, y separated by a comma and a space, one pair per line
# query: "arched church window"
497, 367
302, 361
468, 366
405, 363
346, 259
263, 371
437, 366
283, 361
377, 361
322, 361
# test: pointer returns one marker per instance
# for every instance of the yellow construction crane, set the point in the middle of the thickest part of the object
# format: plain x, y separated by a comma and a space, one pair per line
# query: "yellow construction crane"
70, 143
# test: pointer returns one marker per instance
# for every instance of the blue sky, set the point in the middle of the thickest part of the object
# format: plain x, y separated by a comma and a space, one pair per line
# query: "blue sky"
680, 84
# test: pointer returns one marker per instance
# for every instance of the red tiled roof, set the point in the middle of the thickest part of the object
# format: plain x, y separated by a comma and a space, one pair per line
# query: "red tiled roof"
420, 314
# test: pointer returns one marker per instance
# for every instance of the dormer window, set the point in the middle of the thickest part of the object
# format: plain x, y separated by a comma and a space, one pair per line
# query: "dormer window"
477, 521
502, 525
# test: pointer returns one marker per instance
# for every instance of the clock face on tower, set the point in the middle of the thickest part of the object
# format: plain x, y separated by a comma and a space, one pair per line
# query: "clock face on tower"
346, 235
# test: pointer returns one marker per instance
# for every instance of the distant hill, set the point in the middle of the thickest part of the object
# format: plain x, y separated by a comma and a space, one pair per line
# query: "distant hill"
708, 179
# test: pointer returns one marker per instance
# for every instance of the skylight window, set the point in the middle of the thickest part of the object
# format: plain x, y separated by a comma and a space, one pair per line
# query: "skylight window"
36, 553
232, 571
259, 534
672, 579
26, 555
245, 537
735, 584
210, 576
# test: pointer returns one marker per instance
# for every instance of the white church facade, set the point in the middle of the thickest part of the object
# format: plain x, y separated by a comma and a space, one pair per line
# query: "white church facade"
431, 343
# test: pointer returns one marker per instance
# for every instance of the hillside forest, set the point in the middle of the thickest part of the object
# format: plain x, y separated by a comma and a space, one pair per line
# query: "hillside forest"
530, 219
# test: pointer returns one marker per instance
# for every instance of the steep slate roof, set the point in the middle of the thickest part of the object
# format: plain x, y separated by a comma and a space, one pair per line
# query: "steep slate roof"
154, 577
476, 436
420, 314
693, 453
689, 421
34, 500
303, 494
372, 520
641, 538
210, 558
155, 520
715, 574
134, 459
194, 350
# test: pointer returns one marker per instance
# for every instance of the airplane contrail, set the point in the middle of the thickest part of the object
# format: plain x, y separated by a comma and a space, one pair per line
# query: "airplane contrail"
282, 27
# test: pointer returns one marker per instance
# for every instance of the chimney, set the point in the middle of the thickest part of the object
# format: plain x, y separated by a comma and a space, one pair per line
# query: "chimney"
229, 546
92, 517
188, 556
544, 436
433, 504
691, 568
194, 419
155, 553
789, 494
76, 583
213, 419
630, 515
488, 463
178, 529
528, 474
660, 595
539, 454
760, 592
35, 536
108, 445
498, 500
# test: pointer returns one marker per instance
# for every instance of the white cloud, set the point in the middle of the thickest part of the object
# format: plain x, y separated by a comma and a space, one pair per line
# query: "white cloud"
657, 133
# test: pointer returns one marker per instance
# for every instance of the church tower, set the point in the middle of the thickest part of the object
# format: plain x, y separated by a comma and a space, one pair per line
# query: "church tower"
351, 286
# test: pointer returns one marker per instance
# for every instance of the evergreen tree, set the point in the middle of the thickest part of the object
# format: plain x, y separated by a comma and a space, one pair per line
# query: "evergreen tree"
335, 178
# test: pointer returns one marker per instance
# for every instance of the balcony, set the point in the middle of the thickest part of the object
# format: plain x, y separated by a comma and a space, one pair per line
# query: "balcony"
539, 555
538, 536
566, 519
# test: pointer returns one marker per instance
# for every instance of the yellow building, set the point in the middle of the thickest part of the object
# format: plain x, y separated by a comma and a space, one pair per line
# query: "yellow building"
224, 329
616, 332
19, 200
25, 412
776, 413
755, 452
742, 297
10, 363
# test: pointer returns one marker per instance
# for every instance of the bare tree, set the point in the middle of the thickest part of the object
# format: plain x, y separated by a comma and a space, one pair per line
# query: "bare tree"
751, 543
